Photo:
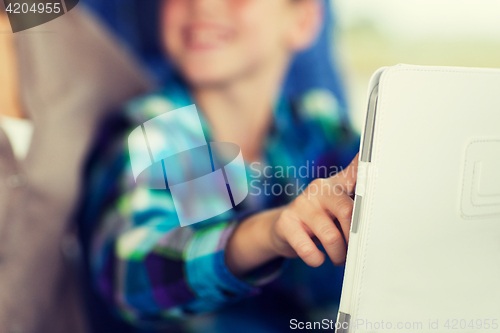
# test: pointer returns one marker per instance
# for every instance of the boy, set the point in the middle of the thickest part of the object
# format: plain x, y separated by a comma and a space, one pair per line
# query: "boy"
231, 58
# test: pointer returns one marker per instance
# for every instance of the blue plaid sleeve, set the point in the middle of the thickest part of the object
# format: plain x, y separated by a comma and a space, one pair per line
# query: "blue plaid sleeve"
146, 266
151, 270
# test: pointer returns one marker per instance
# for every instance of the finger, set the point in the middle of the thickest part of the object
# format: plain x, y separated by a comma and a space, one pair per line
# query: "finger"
303, 245
346, 179
340, 206
329, 235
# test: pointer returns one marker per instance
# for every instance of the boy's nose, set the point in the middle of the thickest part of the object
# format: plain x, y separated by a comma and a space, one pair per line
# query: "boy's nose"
203, 9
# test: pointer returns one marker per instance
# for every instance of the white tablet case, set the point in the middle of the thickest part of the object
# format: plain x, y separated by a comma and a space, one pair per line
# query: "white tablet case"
425, 236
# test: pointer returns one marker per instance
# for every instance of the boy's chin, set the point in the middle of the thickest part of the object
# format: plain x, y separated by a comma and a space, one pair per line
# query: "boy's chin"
203, 79
212, 71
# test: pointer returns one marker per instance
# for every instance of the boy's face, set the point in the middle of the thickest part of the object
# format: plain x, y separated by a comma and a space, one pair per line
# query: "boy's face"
216, 41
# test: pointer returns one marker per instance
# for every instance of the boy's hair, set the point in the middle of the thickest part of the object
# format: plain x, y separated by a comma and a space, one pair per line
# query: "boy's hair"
2, 8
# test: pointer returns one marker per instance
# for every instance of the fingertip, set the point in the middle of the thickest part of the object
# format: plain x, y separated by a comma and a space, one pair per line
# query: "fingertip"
315, 260
340, 260
342, 263
355, 159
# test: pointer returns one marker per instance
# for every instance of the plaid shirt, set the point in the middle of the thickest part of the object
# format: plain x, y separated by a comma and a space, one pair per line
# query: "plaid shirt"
156, 274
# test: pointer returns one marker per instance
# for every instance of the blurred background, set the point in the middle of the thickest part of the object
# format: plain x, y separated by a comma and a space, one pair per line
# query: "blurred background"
367, 34
371, 34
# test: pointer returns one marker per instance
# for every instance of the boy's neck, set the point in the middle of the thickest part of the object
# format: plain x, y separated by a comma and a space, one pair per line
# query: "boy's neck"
241, 110
9, 82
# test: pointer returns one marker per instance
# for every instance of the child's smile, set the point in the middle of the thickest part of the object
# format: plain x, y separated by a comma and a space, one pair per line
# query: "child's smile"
200, 37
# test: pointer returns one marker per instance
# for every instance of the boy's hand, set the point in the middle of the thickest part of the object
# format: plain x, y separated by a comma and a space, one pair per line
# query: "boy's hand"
312, 215
289, 231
